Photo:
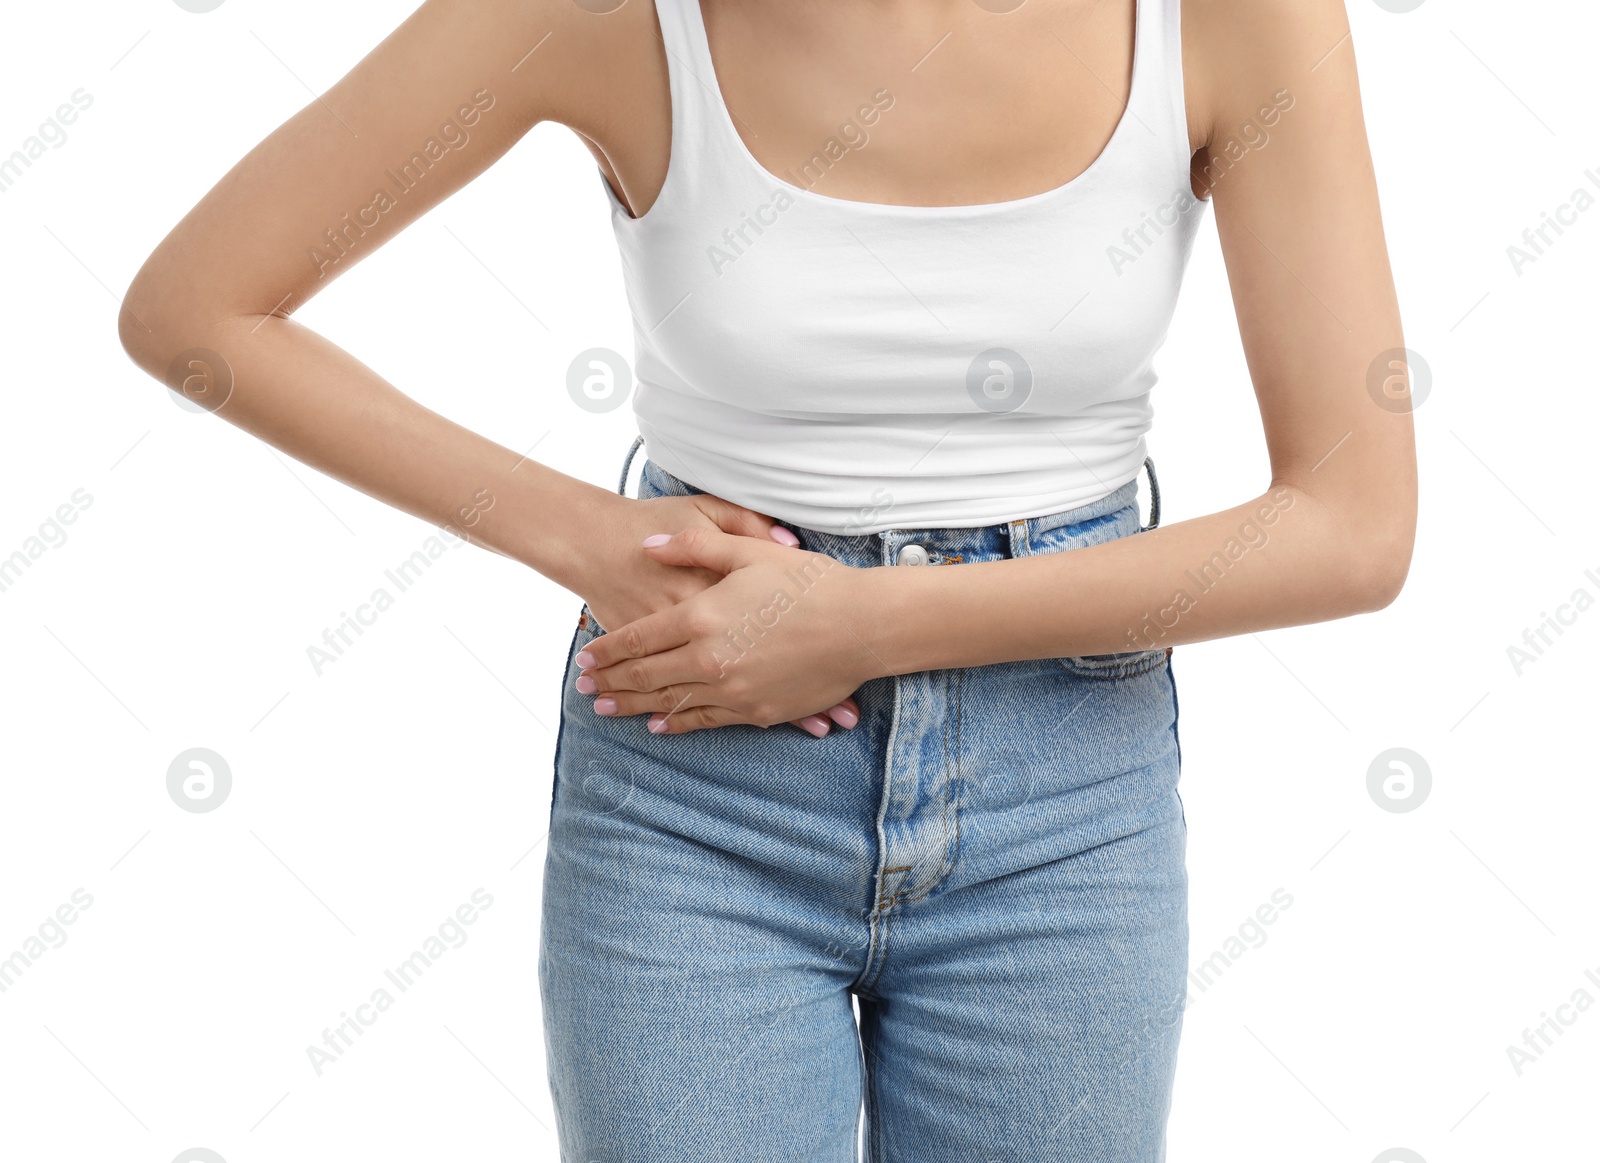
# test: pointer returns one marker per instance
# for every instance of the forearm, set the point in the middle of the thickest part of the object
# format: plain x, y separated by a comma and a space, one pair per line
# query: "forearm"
303, 394
1284, 559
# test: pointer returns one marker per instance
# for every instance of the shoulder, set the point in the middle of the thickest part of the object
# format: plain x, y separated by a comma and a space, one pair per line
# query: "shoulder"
575, 62
1242, 55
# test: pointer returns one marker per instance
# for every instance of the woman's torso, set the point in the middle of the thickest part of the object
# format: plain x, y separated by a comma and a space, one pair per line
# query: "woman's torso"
944, 309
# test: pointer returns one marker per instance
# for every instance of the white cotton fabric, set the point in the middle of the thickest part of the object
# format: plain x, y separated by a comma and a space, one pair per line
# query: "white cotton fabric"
854, 367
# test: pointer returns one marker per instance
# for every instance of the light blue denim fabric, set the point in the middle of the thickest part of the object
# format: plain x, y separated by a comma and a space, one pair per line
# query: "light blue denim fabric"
991, 863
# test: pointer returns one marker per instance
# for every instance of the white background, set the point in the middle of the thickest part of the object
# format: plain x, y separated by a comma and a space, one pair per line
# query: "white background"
370, 802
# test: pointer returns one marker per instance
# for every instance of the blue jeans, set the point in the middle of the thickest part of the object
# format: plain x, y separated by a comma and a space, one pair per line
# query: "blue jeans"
991, 865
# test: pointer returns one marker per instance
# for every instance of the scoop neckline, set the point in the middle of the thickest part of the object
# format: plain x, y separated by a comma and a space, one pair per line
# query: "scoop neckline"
703, 48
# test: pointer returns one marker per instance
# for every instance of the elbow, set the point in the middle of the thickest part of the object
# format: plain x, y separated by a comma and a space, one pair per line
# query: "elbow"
136, 337
1367, 537
143, 323
1387, 578
166, 310
171, 329
1385, 553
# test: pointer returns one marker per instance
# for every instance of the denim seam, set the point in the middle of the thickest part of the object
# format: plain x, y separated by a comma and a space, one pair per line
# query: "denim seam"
1155, 657
881, 869
878, 953
1177, 743
874, 1110
561, 721
1173, 683
952, 835
883, 949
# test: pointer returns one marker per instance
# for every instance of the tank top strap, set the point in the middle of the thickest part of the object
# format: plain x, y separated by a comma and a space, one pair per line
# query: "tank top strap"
1157, 93
700, 128
705, 137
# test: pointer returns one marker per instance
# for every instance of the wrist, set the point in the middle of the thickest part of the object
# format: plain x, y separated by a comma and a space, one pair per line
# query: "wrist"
896, 608
561, 516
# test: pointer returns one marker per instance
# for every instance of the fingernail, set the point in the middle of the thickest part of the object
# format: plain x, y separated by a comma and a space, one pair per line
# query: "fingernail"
656, 539
783, 536
658, 726
584, 659
816, 724
843, 716
587, 685
605, 706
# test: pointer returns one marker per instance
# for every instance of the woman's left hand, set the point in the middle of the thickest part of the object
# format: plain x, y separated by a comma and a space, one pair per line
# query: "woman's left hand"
777, 639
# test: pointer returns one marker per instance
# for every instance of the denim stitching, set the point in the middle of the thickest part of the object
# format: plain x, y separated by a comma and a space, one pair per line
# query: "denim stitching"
881, 945
888, 939
1113, 671
874, 1105
561, 725
952, 835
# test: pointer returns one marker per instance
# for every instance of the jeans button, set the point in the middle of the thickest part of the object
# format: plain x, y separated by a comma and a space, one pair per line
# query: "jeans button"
912, 555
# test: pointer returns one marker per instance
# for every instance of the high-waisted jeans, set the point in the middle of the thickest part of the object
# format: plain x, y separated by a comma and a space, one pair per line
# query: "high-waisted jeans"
991, 864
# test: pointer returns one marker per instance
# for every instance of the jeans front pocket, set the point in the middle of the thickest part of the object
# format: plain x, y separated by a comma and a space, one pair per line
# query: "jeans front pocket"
1114, 666
589, 629
586, 632
1121, 522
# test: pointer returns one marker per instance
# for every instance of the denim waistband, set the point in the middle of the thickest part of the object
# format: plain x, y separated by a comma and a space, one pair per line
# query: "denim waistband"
1005, 539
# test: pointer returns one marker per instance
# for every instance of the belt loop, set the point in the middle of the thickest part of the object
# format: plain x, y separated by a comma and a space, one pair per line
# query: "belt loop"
1020, 535
622, 481
1155, 495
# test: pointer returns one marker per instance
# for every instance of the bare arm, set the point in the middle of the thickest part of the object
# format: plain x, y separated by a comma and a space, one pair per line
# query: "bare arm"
1329, 536
433, 106
307, 204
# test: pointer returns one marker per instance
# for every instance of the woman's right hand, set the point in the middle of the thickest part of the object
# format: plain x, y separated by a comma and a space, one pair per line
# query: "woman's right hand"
620, 584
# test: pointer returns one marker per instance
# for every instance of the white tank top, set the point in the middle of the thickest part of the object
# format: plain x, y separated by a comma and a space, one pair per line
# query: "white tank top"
854, 366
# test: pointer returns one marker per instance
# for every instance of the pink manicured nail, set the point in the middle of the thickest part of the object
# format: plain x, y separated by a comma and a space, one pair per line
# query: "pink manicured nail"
586, 685
605, 706
584, 659
816, 724
656, 539
843, 716
658, 726
783, 536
